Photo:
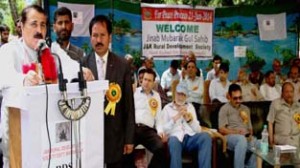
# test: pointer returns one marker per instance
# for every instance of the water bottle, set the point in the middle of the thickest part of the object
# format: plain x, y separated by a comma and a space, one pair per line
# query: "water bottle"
264, 144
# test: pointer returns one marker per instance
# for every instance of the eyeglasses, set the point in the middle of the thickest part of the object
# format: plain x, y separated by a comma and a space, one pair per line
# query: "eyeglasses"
237, 98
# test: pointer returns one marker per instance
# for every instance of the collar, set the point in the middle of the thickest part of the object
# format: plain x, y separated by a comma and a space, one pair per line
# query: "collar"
283, 102
104, 57
173, 105
238, 107
143, 91
196, 77
29, 52
68, 46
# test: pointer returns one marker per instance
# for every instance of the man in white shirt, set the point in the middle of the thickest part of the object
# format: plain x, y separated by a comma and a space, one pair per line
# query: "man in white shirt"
218, 87
15, 56
213, 73
148, 130
194, 86
270, 90
169, 76
184, 131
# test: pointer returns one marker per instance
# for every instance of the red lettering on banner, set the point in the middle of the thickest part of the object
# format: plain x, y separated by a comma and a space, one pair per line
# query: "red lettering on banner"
177, 14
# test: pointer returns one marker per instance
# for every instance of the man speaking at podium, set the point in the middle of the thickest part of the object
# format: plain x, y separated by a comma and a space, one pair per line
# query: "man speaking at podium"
18, 64
119, 107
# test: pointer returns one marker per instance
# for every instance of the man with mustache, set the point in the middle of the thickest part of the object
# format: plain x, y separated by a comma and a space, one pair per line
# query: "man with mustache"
119, 122
18, 64
13, 56
63, 27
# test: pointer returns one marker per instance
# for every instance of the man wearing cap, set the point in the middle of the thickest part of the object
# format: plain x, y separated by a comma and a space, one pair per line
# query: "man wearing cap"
184, 131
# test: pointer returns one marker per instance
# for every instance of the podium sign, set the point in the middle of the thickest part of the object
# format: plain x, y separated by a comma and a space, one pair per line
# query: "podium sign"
35, 142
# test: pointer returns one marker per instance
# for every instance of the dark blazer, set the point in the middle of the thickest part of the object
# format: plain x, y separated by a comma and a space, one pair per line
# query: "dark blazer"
118, 129
75, 52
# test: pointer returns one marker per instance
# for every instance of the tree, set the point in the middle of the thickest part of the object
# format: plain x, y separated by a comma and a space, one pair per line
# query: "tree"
13, 10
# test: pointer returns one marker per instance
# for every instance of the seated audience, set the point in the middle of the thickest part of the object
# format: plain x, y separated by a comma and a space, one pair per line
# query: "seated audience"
192, 57
183, 62
270, 90
235, 124
147, 104
250, 91
214, 72
194, 86
293, 77
279, 76
284, 117
218, 87
256, 77
149, 64
169, 76
184, 131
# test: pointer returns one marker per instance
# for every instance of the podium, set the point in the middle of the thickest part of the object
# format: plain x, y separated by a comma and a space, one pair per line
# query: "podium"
31, 147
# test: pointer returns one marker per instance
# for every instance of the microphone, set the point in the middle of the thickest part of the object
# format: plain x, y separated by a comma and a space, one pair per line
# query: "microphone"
81, 81
67, 109
62, 83
47, 61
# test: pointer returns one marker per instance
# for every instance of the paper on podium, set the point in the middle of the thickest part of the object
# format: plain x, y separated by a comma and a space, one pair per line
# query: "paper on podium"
35, 145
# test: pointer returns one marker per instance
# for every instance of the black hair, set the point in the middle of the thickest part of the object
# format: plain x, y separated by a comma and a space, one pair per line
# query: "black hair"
62, 11
101, 19
217, 57
28, 8
269, 73
141, 71
150, 71
174, 64
224, 67
4, 28
234, 87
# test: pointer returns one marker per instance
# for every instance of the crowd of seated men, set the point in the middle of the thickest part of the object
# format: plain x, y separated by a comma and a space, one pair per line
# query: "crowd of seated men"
229, 99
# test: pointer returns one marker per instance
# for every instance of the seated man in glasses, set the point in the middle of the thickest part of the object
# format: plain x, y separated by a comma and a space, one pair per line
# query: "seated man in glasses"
235, 124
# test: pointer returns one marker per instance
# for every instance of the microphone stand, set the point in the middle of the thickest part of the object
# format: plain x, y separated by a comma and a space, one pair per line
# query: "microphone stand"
73, 113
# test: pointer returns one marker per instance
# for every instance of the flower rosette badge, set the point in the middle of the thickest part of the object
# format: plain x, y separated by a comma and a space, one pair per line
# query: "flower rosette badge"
297, 119
244, 116
113, 95
153, 105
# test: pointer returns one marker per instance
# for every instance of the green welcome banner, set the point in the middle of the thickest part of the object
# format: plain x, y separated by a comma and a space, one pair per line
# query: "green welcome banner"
172, 31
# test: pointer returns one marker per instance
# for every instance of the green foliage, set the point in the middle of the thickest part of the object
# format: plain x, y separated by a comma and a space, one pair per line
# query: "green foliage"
253, 60
287, 55
86, 48
6, 13
136, 54
122, 26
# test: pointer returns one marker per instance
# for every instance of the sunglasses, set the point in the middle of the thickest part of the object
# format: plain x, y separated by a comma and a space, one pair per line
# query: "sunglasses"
237, 98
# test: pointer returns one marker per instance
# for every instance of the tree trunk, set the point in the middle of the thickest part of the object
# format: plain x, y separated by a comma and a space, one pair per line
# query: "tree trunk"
13, 9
